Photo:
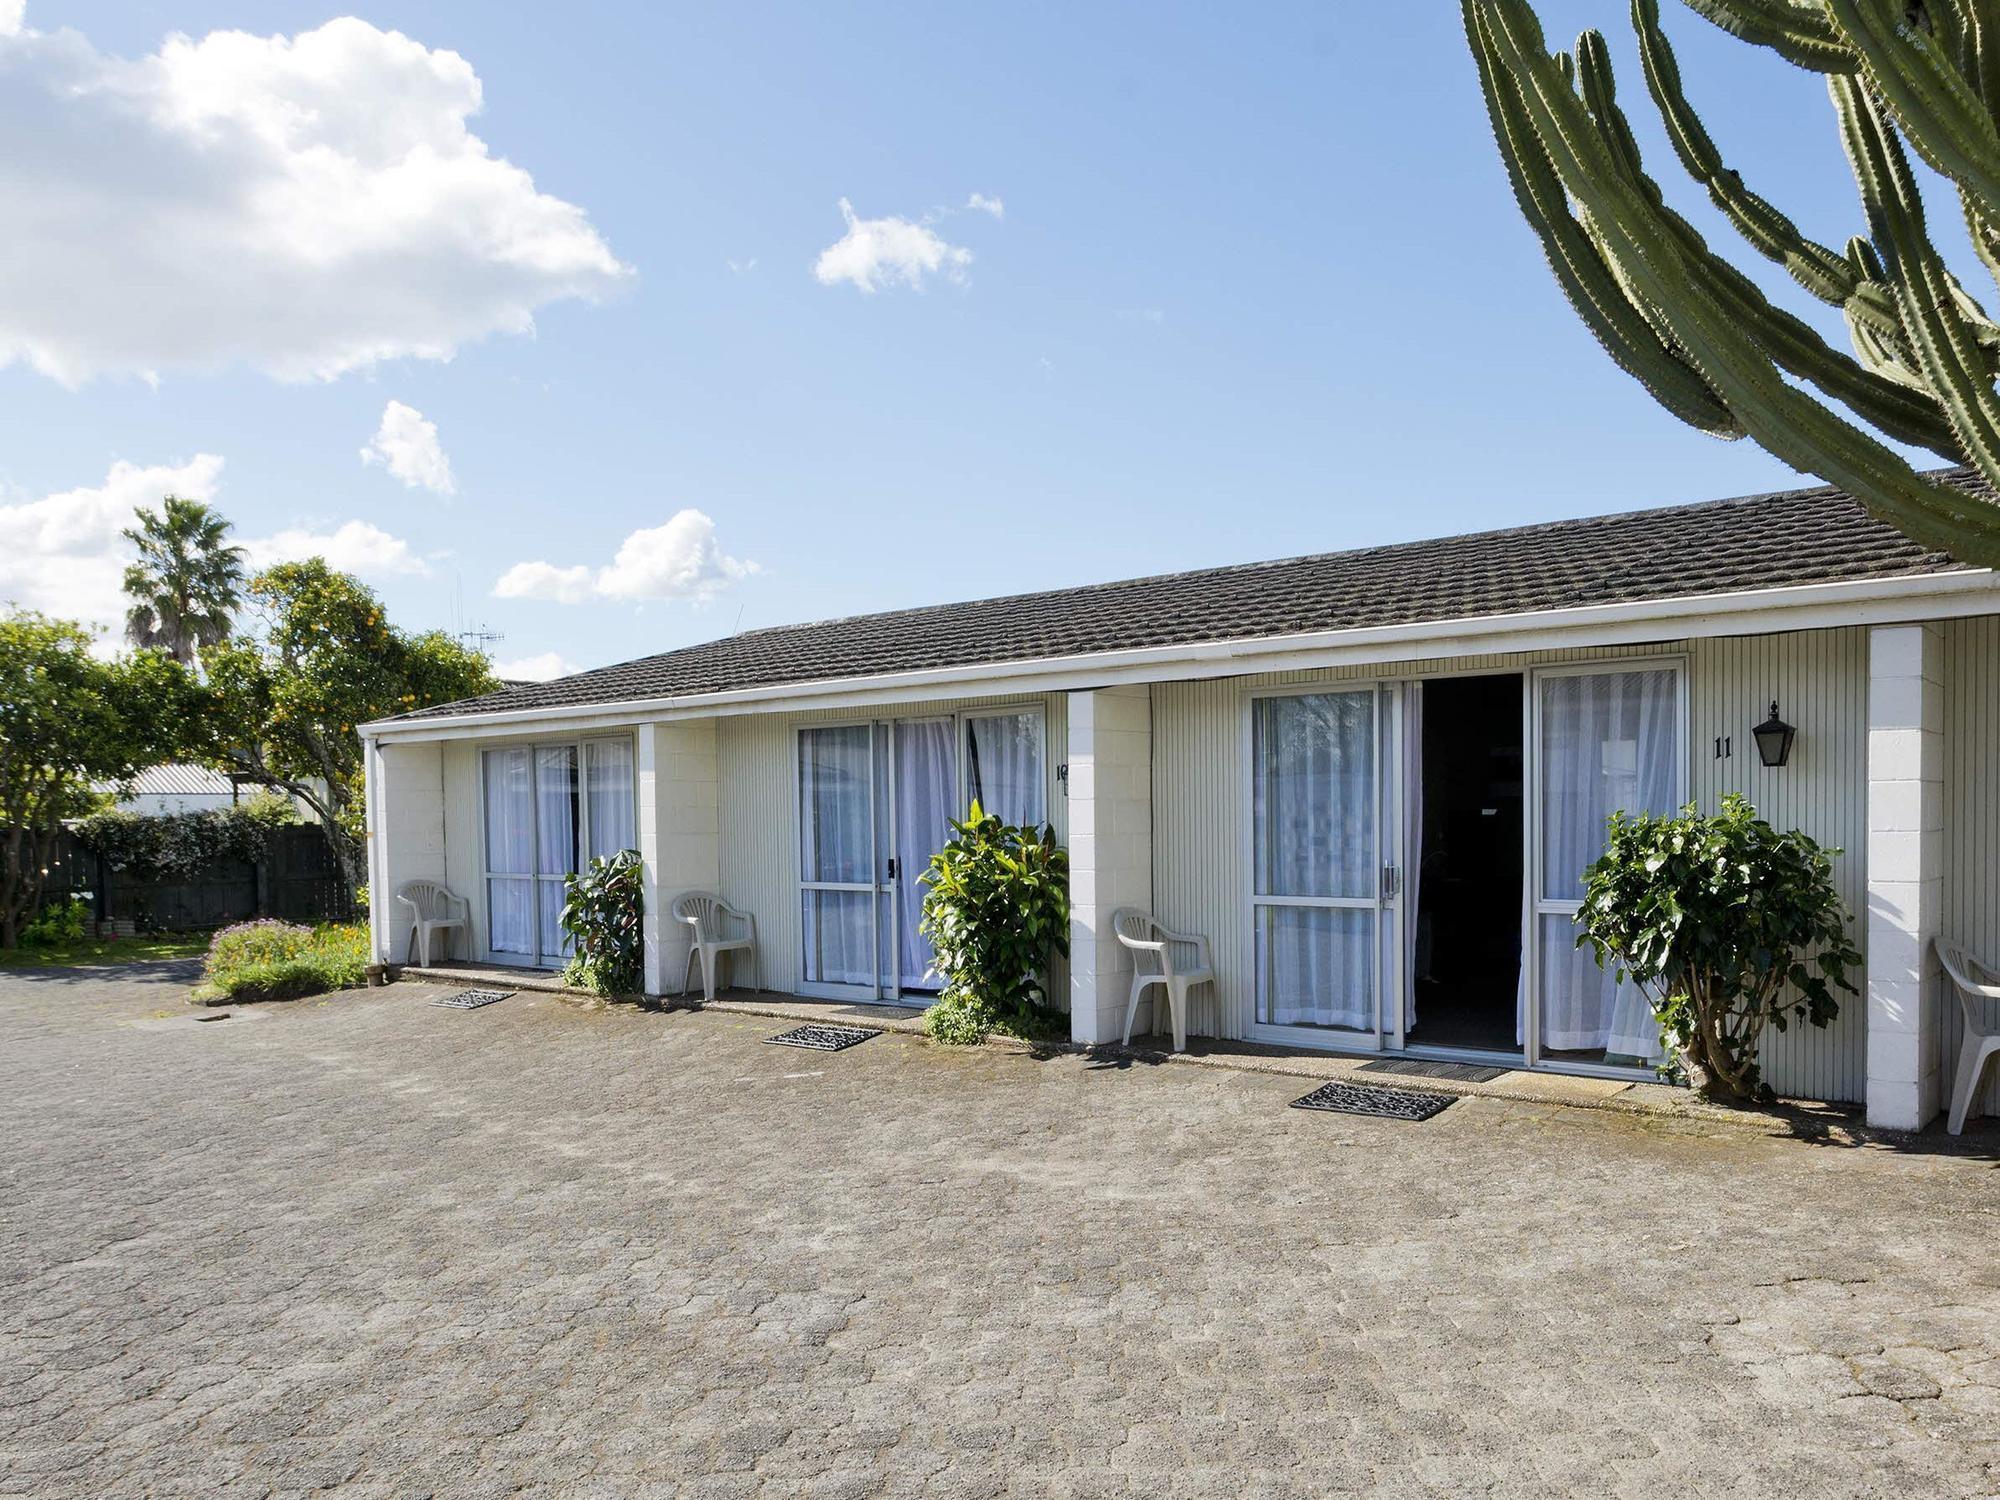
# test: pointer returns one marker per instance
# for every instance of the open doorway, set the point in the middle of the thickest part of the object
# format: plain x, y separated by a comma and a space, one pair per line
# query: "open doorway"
1466, 949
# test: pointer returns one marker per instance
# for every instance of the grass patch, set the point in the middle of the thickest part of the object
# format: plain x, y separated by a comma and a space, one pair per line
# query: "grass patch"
93, 952
270, 960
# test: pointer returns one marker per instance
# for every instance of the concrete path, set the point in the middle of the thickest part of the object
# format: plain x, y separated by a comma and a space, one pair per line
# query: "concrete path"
370, 1244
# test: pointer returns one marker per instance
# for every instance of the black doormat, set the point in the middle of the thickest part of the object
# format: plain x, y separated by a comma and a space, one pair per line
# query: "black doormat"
823, 1038
470, 999
1372, 1099
1416, 1067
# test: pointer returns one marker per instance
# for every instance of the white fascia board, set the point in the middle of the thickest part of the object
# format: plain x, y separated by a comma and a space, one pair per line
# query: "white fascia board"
1929, 596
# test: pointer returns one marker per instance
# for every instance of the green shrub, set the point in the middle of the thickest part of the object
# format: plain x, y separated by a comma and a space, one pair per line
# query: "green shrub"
272, 960
179, 846
58, 924
996, 910
604, 915
1727, 926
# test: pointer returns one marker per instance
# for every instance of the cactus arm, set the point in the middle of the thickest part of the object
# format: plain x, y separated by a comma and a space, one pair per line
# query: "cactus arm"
1823, 272
1620, 326
1785, 420
1800, 34
1906, 414
1946, 347
1937, 109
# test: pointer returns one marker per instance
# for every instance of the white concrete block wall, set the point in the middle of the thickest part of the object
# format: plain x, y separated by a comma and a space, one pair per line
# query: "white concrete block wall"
680, 835
1110, 848
406, 839
1905, 872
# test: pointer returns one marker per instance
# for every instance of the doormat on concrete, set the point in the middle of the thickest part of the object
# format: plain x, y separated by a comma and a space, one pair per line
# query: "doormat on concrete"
470, 999
823, 1038
1416, 1067
1371, 1099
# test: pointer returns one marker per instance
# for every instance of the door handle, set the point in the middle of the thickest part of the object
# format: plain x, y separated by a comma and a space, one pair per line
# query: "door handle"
893, 869
1392, 880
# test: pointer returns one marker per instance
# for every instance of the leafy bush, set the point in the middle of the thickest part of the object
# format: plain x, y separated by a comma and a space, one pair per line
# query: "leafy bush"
179, 846
272, 960
996, 910
57, 924
1727, 926
604, 915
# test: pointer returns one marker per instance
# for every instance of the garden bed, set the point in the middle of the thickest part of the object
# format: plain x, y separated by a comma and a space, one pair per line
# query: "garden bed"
272, 960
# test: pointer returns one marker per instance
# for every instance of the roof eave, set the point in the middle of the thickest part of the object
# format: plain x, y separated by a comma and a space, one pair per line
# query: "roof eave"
1749, 612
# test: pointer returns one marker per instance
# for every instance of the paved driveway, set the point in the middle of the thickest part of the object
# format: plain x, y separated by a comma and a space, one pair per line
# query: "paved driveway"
375, 1244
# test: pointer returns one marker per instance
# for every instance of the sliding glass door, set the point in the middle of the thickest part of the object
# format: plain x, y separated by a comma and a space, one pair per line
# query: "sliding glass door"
876, 801
548, 809
1320, 875
1606, 739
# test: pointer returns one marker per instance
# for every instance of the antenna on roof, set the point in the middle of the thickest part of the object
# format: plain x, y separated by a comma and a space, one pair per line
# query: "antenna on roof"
478, 637
737, 628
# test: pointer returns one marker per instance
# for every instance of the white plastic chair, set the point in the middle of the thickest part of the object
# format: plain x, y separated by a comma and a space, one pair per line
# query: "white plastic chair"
433, 908
1975, 982
710, 917
1154, 961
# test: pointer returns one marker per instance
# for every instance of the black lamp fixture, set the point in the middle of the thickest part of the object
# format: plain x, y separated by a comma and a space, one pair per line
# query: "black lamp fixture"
1774, 738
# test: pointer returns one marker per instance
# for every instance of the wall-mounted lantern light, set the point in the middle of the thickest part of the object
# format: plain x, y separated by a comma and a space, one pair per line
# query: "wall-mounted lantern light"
1774, 739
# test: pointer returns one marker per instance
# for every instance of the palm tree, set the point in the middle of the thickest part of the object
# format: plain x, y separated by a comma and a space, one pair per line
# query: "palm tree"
187, 581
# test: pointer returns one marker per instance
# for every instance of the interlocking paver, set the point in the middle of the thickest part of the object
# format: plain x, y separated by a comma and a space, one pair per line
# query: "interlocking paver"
372, 1246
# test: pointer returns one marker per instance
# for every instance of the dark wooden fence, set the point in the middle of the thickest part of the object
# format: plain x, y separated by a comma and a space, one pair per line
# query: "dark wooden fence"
299, 880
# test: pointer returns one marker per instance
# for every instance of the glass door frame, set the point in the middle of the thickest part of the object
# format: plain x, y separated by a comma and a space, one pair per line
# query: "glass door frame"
1387, 902
533, 876
886, 888
1534, 906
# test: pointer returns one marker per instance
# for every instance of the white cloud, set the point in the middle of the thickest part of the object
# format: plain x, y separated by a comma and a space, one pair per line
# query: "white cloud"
63, 553
986, 205
408, 444
878, 252
680, 560
538, 668
742, 267
307, 205
357, 547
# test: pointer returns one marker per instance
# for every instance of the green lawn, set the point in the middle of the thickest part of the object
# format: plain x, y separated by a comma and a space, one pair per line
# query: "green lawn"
107, 951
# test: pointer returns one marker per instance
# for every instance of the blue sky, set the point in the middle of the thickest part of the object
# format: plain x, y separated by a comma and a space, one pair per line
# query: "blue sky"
1258, 289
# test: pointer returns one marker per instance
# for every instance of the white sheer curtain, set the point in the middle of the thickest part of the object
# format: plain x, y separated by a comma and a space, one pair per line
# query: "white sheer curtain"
926, 798
1609, 740
1004, 767
510, 844
835, 773
555, 840
607, 771
1313, 824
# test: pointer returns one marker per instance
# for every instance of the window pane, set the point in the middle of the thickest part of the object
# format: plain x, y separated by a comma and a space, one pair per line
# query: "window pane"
1584, 1008
510, 832
834, 774
555, 942
1609, 740
511, 915
839, 949
607, 767
1316, 966
555, 808
1004, 770
1313, 769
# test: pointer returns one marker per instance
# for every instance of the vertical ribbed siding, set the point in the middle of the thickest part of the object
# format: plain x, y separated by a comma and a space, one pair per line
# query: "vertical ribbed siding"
464, 855
760, 815
1820, 681
1971, 912
1819, 677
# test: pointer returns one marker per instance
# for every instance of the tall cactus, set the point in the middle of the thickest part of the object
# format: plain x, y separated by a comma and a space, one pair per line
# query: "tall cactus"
1699, 334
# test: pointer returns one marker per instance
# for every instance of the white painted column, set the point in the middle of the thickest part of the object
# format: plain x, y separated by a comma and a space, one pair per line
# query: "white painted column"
1905, 872
406, 840
680, 835
1110, 848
